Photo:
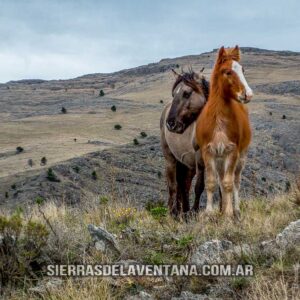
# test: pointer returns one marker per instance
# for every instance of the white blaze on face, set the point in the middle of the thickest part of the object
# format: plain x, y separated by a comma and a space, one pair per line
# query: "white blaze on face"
238, 69
178, 90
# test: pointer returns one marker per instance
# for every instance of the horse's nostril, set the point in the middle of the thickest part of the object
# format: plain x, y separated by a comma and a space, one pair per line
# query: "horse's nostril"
171, 123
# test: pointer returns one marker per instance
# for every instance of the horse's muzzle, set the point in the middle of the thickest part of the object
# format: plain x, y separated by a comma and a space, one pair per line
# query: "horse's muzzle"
175, 126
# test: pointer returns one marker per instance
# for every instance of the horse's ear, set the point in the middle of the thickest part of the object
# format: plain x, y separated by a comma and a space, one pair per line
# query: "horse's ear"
236, 54
221, 54
176, 75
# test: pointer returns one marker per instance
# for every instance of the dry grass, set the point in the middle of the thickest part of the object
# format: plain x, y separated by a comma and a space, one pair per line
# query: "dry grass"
163, 240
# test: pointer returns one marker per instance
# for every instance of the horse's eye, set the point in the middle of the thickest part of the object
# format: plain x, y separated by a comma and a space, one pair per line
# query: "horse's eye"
186, 95
228, 72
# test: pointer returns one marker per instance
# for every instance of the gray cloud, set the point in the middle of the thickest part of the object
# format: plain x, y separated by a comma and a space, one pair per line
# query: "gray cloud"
62, 39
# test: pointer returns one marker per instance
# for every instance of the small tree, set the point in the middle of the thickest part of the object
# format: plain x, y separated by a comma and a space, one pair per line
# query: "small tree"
161, 101
51, 176
94, 175
63, 110
118, 127
19, 149
101, 93
135, 141
30, 162
143, 134
43, 161
113, 108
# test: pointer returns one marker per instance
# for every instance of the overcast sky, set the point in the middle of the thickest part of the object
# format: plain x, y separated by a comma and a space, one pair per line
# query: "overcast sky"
51, 39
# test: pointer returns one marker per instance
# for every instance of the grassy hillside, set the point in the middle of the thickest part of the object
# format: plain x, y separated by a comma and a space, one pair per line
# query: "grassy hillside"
60, 235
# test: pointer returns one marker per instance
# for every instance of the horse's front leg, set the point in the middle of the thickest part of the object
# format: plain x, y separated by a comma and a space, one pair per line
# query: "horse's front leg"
172, 186
210, 178
184, 177
227, 182
236, 188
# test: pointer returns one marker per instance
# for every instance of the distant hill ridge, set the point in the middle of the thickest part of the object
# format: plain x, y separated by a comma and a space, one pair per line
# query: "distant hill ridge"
163, 65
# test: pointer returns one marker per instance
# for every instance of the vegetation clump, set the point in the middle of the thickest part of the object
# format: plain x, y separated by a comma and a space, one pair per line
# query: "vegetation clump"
43, 161
143, 134
63, 110
51, 176
113, 108
94, 175
21, 248
19, 149
118, 127
101, 93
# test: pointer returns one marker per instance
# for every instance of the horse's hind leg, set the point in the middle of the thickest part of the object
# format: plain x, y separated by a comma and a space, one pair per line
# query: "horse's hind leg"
199, 187
184, 178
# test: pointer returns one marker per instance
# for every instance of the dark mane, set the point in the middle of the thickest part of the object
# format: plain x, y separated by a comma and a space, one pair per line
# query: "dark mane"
188, 79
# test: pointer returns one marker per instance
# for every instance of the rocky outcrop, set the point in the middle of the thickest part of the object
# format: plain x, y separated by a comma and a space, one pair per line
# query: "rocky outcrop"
103, 240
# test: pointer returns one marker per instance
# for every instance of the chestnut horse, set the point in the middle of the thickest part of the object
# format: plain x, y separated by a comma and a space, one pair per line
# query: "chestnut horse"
223, 130
177, 126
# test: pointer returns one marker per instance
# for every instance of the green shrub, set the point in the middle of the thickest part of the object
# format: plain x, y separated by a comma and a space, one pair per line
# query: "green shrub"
30, 162
51, 176
19, 149
154, 258
143, 134
43, 161
94, 175
76, 169
161, 101
101, 93
135, 141
13, 186
39, 200
158, 212
6, 194
103, 199
185, 241
113, 108
63, 110
118, 127
21, 249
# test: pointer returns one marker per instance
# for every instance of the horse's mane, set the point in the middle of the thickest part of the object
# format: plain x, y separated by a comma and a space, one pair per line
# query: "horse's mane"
188, 79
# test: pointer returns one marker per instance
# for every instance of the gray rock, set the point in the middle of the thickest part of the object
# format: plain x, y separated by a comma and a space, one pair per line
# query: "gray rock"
104, 241
44, 287
211, 252
141, 296
186, 295
290, 236
287, 239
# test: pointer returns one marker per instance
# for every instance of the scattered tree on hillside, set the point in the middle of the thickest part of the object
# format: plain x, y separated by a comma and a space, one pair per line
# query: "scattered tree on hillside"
143, 134
43, 161
118, 127
51, 176
101, 94
19, 149
63, 110
94, 175
30, 162
113, 108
